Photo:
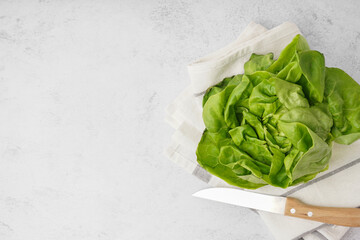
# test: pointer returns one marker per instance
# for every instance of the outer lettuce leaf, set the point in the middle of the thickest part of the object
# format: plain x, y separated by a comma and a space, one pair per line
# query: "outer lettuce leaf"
208, 154
317, 118
312, 64
291, 73
234, 80
214, 108
315, 152
258, 63
258, 76
342, 94
299, 43
240, 93
275, 124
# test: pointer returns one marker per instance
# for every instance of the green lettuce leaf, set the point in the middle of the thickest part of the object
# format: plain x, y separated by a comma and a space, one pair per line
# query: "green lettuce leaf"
258, 63
342, 94
208, 154
312, 64
287, 55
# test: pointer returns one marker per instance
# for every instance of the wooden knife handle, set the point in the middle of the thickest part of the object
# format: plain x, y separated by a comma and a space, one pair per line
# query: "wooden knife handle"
349, 217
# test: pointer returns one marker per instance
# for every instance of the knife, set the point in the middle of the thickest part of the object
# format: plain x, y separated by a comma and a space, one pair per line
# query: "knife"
287, 206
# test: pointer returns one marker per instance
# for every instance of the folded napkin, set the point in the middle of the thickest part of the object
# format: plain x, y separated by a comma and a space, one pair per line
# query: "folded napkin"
334, 187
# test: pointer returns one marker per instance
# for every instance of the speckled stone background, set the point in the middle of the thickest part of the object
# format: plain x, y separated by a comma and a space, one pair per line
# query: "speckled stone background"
83, 88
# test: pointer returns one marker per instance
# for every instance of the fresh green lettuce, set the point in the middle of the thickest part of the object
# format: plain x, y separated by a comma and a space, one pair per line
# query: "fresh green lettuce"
275, 123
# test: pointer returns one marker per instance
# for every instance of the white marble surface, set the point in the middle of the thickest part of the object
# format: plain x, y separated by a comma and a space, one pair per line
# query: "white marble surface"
83, 87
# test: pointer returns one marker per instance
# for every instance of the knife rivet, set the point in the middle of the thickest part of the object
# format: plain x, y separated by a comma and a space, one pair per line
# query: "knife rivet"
310, 214
292, 210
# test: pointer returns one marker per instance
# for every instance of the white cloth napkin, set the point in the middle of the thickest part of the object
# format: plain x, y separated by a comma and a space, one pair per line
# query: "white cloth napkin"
335, 187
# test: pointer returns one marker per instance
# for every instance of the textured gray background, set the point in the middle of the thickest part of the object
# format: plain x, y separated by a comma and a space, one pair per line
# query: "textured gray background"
83, 88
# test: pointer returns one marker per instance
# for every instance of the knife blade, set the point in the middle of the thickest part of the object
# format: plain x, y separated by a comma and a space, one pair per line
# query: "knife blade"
287, 206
